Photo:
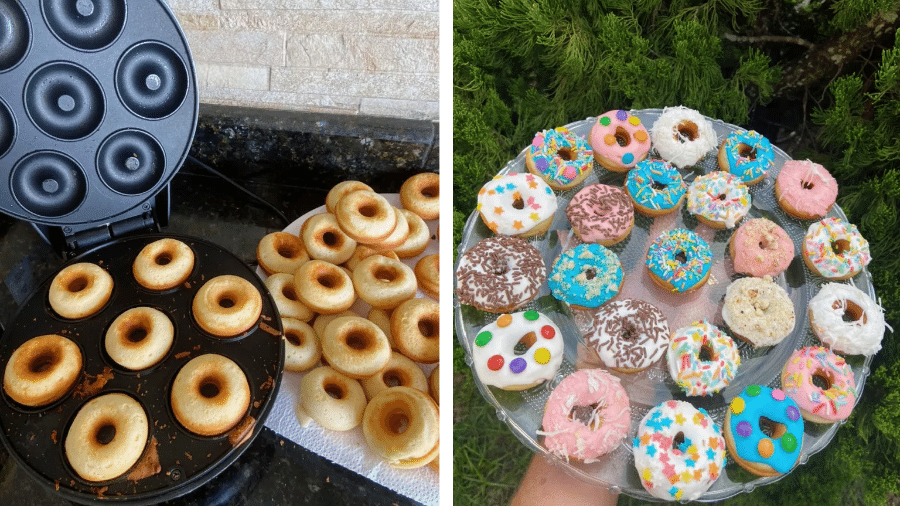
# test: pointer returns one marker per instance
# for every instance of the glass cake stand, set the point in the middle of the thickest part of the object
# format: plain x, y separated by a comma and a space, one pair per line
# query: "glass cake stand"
523, 411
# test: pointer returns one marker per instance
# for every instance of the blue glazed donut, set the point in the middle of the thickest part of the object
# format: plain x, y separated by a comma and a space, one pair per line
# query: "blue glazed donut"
586, 276
747, 155
754, 450
679, 260
655, 186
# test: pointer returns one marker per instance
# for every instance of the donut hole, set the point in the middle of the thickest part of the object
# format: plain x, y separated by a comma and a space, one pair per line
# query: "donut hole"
588, 415
386, 274
44, 361
431, 191
334, 391
210, 387
822, 379
590, 273
518, 203
427, 327
722, 197
289, 293
680, 443
807, 185
745, 151
357, 340
397, 421
226, 300
78, 284
136, 334
287, 251
771, 428
687, 131
851, 312
331, 239
163, 259
105, 434
629, 331
656, 185
706, 353
623, 139
392, 378
368, 210
840, 246
566, 153
525, 343
328, 280
681, 256
293, 338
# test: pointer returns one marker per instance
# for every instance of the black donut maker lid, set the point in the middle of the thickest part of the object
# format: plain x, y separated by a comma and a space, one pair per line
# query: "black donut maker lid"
98, 108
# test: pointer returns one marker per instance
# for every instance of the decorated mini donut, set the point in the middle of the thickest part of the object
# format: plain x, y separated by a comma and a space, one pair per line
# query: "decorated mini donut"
427, 271
655, 187
805, 190
747, 155
834, 249
758, 311
401, 426
619, 140
366, 217
829, 403
587, 416
42, 370
80, 290
495, 356
846, 319
415, 330
421, 195
302, 349
679, 451
418, 237
341, 189
499, 274
323, 287
227, 305
139, 338
280, 252
760, 248
628, 335
602, 214
333, 400
284, 293
163, 264
384, 282
679, 260
718, 199
399, 372
702, 359
764, 431
324, 239
93, 456
586, 276
682, 136
355, 347
210, 395
519, 205
561, 158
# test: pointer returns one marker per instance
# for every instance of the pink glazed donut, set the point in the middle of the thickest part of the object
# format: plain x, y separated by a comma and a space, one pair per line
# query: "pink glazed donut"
587, 415
619, 140
820, 405
805, 190
761, 248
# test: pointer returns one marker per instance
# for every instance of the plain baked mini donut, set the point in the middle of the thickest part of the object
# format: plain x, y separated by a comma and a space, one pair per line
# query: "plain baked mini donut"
384, 282
421, 195
139, 338
324, 240
366, 217
227, 305
42, 369
418, 237
434, 384
107, 437
210, 395
363, 252
333, 400
163, 264
427, 271
284, 293
340, 190
355, 347
415, 328
80, 290
400, 371
323, 287
401, 426
302, 349
280, 252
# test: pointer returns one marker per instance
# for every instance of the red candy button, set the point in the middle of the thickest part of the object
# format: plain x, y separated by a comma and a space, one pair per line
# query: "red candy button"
547, 332
495, 363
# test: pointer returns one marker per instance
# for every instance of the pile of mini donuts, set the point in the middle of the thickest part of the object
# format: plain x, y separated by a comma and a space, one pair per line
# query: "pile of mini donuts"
44, 369
363, 369
679, 450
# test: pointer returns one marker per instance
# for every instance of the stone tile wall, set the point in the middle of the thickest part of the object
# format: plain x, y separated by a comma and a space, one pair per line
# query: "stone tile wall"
357, 57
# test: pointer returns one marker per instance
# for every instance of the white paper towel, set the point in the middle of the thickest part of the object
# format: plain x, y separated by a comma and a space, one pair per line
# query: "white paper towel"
349, 449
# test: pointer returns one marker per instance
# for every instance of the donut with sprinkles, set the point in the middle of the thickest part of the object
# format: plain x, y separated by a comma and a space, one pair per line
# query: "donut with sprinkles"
747, 155
561, 158
679, 260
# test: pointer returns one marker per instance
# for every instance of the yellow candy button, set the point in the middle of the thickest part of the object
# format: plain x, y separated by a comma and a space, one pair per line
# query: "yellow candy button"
504, 320
634, 120
765, 448
542, 356
737, 405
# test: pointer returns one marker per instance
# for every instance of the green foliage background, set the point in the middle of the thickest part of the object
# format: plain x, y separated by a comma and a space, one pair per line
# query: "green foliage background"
521, 66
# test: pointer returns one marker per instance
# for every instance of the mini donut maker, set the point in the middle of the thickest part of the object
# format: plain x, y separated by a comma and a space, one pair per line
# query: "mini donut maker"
98, 107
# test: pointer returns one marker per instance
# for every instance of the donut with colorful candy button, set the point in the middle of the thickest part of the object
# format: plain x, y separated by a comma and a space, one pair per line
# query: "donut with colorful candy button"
764, 431
619, 140
498, 356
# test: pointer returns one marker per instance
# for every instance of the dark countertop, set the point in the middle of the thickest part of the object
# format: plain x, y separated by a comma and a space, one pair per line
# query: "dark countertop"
273, 469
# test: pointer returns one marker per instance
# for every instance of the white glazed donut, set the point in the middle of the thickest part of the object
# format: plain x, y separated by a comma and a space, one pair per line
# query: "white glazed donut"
860, 336
498, 365
682, 136
520, 205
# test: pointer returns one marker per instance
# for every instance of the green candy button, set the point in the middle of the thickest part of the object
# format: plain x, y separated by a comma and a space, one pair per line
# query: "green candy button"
531, 315
788, 442
754, 390
483, 338
605, 121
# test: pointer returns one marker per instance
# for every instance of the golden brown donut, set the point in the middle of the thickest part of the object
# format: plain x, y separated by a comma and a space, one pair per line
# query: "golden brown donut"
333, 400
107, 437
418, 237
139, 338
382, 318
280, 252
339, 190
355, 347
323, 287
366, 217
210, 395
383, 282
434, 385
363, 252
163, 264
398, 236
80, 290
284, 293
415, 326
323, 320
428, 275
399, 372
302, 350
401, 426
227, 305
42, 370
325, 240
421, 195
